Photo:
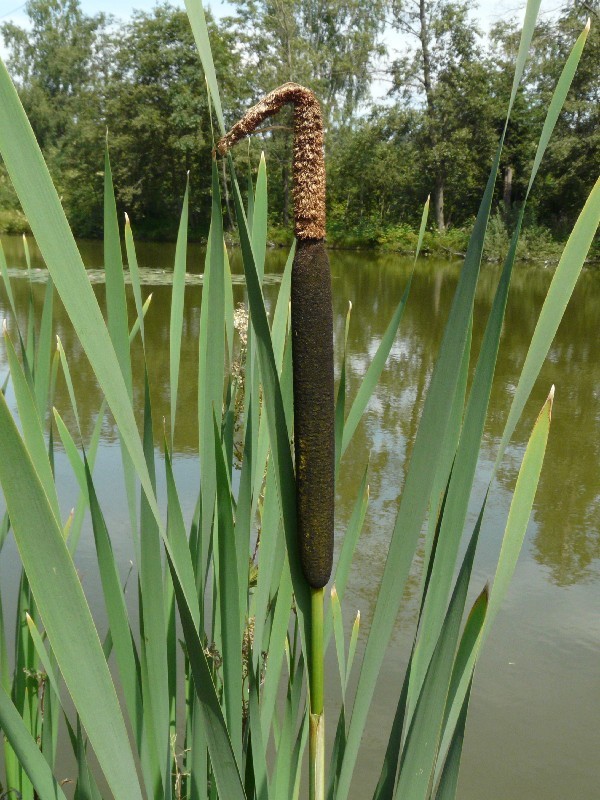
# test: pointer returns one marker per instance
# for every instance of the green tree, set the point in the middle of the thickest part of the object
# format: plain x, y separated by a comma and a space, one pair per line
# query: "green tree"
571, 165
158, 117
374, 174
54, 62
327, 45
81, 76
446, 72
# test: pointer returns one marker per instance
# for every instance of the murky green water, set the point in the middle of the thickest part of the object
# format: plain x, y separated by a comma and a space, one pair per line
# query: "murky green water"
533, 729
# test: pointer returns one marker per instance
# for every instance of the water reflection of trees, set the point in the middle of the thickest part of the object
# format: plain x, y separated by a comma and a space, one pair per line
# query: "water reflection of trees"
567, 539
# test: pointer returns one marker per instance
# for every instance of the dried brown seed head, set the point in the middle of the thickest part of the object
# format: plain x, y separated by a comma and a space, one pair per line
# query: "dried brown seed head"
308, 166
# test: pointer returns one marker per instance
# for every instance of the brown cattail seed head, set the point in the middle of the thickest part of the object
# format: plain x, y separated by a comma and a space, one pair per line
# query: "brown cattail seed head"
308, 167
314, 442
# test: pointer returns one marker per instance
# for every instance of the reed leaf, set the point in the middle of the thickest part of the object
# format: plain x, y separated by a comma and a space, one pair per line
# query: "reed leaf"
424, 728
43, 355
153, 614
64, 611
448, 784
7, 284
422, 469
557, 298
514, 533
177, 302
116, 303
195, 12
224, 764
472, 432
33, 434
40, 202
134, 273
116, 610
276, 416
27, 751
229, 599
211, 360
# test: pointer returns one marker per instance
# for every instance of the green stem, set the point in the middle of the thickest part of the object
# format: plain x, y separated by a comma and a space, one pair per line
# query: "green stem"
316, 661
316, 745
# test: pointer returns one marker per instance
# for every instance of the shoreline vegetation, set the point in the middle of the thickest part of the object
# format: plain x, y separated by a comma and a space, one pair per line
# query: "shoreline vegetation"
536, 245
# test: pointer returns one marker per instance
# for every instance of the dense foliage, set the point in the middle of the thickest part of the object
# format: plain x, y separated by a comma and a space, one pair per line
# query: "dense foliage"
435, 132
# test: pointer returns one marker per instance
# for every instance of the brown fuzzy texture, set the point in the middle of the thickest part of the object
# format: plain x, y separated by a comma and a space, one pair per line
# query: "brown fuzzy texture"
308, 166
314, 429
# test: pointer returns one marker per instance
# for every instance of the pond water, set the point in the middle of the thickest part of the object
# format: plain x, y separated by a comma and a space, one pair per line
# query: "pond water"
533, 729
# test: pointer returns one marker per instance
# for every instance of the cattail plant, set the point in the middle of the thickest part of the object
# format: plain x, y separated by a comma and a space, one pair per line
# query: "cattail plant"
221, 747
312, 352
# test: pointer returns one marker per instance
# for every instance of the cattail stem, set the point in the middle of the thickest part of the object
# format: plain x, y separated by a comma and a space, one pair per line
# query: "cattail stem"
316, 742
316, 655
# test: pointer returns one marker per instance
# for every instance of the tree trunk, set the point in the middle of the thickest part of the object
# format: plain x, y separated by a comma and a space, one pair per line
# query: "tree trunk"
424, 37
507, 194
438, 192
438, 201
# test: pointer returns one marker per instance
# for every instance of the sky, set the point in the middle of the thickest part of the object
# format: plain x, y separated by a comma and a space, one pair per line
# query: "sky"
486, 12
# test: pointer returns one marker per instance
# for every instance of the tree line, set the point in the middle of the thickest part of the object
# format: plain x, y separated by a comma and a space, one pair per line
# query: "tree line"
83, 78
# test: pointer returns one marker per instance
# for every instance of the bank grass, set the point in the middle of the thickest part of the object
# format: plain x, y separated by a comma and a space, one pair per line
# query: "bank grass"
205, 690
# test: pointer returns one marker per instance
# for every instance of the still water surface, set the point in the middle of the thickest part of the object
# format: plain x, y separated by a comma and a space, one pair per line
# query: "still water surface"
533, 728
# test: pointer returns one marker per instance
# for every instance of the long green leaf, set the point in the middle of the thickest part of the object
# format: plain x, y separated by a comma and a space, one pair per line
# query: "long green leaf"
278, 334
227, 776
42, 207
197, 19
270, 538
470, 441
276, 649
420, 748
261, 775
514, 534
422, 470
116, 303
259, 218
449, 779
229, 596
43, 355
134, 274
177, 299
7, 284
32, 426
275, 413
211, 360
340, 402
115, 608
559, 293
64, 611
153, 612
27, 751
